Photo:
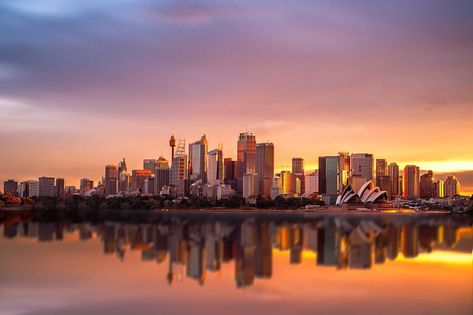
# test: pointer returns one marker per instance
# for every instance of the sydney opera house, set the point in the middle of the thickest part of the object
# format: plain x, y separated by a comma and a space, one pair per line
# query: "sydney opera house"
368, 193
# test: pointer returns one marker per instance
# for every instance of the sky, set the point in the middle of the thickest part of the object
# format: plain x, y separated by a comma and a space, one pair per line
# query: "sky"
85, 83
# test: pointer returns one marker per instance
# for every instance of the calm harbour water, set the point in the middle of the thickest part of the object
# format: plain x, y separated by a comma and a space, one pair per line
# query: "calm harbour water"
384, 264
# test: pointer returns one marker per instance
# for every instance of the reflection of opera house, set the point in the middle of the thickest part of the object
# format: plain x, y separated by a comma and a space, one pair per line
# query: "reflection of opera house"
368, 193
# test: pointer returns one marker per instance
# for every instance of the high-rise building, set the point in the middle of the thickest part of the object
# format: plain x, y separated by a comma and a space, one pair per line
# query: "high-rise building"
265, 167
439, 188
343, 169
298, 165
215, 167
361, 164
384, 183
33, 188
230, 169
138, 179
198, 159
85, 185
288, 183
60, 187
298, 171
250, 185
148, 185
311, 183
393, 173
452, 187
427, 186
10, 186
328, 175
23, 189
246, 157
149, 164
124, 181
122, 166
411, 182
178, 169
46, 186
111, 179
162, 174
381, 167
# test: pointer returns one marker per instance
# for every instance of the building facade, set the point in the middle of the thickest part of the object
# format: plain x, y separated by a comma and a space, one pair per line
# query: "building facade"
411, 182
265, 167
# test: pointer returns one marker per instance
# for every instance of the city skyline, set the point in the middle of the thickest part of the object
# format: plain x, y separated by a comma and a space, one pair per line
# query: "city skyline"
313, 77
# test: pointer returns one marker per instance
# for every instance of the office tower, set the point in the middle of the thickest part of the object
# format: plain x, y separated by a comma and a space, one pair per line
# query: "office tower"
311, 183
440, 188
172, 144
427, 186
328, 175
149, 164
393, 173
124, 181
297, 165
178, 169
122, 166
23, 189
198, 159
384, 183
250, 185
288, 183
411, 182
451, 186
215, 166
10, 186
111, 179
298, 171
138, 179
46, 186
85, 185
162, 173
361, 164
276, 187
230, 169
33, 188
246, 157
148, 185
265, 167
59, 187
381, 167
343, 169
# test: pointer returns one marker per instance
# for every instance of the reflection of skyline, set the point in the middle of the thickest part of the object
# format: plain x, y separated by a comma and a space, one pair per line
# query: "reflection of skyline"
193, 249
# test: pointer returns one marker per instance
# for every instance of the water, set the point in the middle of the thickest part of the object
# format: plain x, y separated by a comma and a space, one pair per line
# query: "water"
383, 264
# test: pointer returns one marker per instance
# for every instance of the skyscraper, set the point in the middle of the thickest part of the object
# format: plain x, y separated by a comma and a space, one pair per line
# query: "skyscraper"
122, 166
215, 167
124, 181
452, 187
288, 183
23, 189
328, 175
311, 183
250, 185
198, 159
298, 165
246, 156
178, 169
162, 174
411, 182
427, 186
138, 178
60, 187
230, 172
111, 179
298, 171
33, 188
46, 186
393, 173
381, 167
361, 164
86, 185
265, 167
439, 188
149, 164
344, 169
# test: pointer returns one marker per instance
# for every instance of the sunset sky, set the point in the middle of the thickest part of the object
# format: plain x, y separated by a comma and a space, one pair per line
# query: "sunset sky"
85, 83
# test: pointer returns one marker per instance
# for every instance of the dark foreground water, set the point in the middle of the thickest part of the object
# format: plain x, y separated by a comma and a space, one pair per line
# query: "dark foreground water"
385, 264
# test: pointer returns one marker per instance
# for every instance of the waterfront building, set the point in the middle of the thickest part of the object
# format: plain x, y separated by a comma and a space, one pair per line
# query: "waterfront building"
162, 174
411, 182
361, 164
246, 157
124, 182
85, 185
33, 188
298, 171
311, 183
328, 175
230, 168
122, 166
46, 186
149, 185
250, 185
427, 186
111, 179
288, 183
384, 184
297, 165
215, 166
149, 164
23, 189
452, 187
198, 160
381, 167
178, 169
276, 188
343, 169
393, 173
265, 167
60, 187
439, 188
10, 186
138, 178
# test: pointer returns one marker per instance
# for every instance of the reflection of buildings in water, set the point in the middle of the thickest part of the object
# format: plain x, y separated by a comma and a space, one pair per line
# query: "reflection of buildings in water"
192, 249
